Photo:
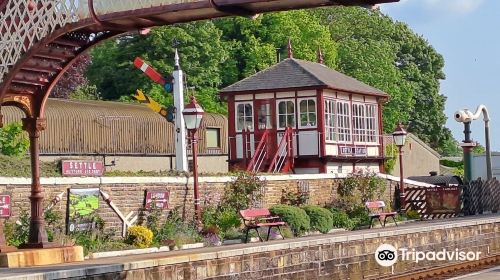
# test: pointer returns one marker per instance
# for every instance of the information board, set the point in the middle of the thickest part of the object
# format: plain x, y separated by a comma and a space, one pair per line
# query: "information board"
5, 206
442, 200
88, 168
157, 199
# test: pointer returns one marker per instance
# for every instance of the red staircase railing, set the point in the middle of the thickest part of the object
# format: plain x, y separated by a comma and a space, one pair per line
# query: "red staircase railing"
260, 153
283, 160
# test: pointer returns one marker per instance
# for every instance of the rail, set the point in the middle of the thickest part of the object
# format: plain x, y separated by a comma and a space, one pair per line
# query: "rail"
449, 270
259, 154
283, 153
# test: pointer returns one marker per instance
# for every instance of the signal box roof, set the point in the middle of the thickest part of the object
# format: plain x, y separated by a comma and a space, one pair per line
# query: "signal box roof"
294, 73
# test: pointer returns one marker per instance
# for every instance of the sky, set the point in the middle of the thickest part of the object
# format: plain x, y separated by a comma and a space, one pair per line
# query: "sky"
467, 34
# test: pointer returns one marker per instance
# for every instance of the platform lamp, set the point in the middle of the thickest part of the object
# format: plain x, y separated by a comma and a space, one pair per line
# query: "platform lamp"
193, 114
399, 136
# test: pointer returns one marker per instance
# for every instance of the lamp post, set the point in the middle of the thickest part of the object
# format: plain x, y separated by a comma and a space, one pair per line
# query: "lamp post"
399, 136
193, 114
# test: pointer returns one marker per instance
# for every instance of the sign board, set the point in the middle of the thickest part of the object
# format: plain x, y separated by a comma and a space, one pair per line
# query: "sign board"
5, 203
82, 168
82, 209
442, 200
353, 151
157, 199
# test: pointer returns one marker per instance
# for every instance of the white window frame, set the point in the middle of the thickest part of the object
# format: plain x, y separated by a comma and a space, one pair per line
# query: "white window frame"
348, 117
298, 120
278, 113
374, 129
358, 114
330, 114
236, 104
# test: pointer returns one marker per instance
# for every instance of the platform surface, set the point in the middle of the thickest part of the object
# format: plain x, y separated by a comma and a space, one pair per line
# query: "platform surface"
97, 266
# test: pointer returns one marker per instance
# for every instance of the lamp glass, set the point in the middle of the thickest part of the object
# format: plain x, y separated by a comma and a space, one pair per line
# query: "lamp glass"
399, 139
193, 121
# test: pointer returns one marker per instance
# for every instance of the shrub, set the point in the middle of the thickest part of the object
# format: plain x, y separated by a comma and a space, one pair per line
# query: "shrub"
13, 140
295, 217
412, 214
359, 188
321, 219
242, 192
360, 216
342, 220
139, 236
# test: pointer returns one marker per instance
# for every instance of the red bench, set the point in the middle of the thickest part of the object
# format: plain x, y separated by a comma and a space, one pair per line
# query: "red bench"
376, 209
260, 217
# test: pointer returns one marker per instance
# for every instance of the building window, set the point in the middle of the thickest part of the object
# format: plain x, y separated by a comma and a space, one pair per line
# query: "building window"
212, 137
244, 116
286, 114
343, 122
359, 122
330, 120
307, 110
371, 123
265, 117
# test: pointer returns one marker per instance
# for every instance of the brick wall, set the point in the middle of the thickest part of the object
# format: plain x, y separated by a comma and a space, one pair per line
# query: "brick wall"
347, 255
128, 193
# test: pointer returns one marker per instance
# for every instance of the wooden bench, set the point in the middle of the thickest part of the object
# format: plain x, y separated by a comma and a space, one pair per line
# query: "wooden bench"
260, 217
376, 209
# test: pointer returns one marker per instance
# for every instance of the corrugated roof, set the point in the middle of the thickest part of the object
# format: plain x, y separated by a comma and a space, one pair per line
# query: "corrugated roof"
104, 127
296, 73
443, 180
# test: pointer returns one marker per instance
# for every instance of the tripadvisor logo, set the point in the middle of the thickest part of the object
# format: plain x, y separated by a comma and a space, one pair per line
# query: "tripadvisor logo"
387, 255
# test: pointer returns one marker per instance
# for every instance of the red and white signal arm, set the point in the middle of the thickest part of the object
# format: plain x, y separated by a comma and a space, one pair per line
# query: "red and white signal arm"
5, 206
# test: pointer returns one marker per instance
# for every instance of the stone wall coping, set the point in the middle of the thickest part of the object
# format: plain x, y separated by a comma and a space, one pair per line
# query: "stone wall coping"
118, 266
181, 180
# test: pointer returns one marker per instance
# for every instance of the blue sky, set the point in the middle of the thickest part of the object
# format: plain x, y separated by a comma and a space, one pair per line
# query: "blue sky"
466, 33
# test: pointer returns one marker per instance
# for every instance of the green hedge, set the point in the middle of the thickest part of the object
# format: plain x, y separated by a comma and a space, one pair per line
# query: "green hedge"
296, 218
321, 218
342, 220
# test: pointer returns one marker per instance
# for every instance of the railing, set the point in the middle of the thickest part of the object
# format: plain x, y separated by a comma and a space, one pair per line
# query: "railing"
259, 154
284, 157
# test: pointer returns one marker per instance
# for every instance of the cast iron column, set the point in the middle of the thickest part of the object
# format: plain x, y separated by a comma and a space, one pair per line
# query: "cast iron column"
194, 141
467, 153
402, 194
37, 235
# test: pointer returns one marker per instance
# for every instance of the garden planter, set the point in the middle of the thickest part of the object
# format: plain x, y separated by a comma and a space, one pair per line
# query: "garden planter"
98, 255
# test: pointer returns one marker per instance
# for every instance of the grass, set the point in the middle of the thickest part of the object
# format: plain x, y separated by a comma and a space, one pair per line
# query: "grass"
21, 167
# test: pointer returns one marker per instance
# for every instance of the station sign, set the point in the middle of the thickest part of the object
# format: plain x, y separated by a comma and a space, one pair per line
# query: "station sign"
353, 151
157, 200
5, 206
443, 200
82, 168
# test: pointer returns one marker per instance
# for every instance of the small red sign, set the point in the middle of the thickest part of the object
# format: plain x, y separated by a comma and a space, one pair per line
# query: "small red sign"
157, 199
88, 168
5, 202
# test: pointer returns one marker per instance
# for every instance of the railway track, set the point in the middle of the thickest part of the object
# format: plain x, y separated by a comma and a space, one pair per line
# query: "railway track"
449, 270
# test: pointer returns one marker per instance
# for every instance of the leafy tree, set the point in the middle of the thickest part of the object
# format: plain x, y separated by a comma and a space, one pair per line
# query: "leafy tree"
390, 56
201, 50
73, 78
13, 140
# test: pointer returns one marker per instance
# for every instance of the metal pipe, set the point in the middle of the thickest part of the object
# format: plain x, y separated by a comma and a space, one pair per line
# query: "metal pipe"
467, 147
486, 118
402, 194
194, 141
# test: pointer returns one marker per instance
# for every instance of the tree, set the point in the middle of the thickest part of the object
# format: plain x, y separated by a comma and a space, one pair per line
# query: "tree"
255, 44
201, 51
390, 56
13, 140
72, 79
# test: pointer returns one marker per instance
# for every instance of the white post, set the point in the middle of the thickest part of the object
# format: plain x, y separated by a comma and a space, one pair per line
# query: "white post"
180, 128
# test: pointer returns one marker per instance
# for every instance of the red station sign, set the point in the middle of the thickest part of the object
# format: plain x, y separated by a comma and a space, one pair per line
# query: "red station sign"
5, 203
88, 168
157, 199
